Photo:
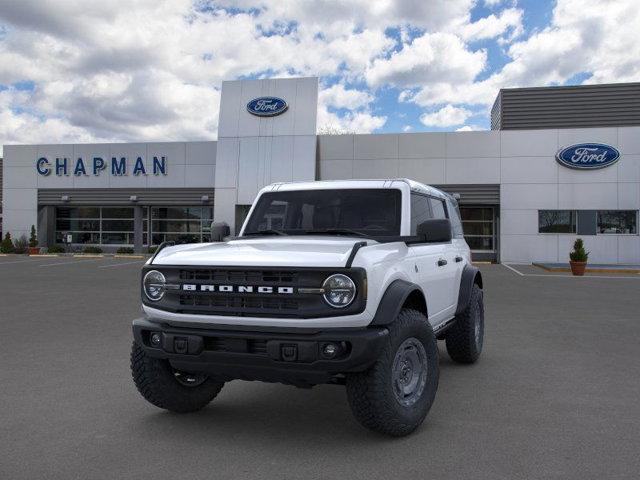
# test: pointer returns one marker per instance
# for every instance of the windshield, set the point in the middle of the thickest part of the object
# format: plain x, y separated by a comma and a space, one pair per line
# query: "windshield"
368, 212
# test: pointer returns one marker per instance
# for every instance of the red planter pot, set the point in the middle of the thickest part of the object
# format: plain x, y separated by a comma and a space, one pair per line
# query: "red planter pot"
578, 268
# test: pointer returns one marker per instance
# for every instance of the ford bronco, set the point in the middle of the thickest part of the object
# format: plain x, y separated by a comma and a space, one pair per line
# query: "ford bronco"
342, 282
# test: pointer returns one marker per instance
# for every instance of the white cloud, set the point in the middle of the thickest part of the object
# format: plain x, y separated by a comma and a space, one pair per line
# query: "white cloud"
432, 57
407, 128
351, 122
469, 128
492, 3
447, 116
509, 20
338, 96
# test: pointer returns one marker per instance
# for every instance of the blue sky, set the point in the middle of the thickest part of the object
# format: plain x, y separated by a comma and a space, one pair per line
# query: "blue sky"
145, 70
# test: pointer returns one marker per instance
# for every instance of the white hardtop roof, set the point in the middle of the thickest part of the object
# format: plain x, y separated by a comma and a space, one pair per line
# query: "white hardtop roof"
343, 184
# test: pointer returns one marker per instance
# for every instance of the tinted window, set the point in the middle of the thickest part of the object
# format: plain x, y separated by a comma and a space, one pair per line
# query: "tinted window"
437, 208
454, 216
618, 221
556, 221
420, 211
374, 212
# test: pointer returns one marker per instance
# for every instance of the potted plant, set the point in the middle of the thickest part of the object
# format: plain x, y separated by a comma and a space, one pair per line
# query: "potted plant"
578, 258
33, 242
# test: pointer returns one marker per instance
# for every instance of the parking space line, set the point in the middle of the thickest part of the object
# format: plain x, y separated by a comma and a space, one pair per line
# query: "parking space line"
513, 269
70, 263
121, 264
566, 276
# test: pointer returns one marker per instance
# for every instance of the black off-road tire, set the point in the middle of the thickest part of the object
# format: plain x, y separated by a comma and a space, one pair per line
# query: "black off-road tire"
465, 338
156, 381
372, 395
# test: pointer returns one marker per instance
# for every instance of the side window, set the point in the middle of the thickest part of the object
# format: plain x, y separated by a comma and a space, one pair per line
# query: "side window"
420, 211
454, 216
437, 207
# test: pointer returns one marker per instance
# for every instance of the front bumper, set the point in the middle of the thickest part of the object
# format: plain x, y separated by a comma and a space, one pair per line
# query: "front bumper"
277, 355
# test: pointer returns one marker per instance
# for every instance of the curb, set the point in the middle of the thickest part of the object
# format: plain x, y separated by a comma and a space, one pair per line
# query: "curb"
589, 270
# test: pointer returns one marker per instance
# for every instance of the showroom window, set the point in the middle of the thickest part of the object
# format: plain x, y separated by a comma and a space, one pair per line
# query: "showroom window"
181, 224
479, 228
618, 222
557, 221
95, 225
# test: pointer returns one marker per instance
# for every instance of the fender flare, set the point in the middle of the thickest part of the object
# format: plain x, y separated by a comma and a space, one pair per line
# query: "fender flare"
393, 299
470, 275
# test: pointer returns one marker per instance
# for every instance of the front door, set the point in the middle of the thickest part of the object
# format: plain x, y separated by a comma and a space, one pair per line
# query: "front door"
480, 231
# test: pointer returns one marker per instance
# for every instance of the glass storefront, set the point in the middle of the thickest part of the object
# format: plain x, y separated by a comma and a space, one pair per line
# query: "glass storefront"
181, 224
95, 225
115, 225
479, 228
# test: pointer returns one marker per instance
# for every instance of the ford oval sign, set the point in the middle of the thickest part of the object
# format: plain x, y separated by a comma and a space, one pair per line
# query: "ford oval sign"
588, 156
267, 106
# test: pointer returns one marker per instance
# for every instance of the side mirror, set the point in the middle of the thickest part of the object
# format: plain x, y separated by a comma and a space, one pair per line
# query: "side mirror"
435, 230
219, 230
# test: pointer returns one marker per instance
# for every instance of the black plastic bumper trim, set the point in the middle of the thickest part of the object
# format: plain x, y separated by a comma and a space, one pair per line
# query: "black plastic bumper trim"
275, 356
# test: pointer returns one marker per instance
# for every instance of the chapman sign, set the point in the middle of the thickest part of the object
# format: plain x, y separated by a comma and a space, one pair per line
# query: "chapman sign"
267, 106
95, 166
588, 156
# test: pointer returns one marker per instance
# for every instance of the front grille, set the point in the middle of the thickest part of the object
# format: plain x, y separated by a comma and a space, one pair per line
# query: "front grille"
236, 301
252, 277
253, 303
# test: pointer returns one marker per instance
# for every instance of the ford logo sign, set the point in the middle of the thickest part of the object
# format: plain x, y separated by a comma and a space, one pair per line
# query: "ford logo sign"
588, 156
267, 106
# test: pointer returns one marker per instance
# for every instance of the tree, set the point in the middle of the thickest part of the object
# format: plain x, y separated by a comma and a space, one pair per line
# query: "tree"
33, 239
7, 244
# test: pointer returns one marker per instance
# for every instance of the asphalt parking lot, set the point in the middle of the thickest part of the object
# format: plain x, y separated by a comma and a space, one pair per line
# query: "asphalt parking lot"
555, 394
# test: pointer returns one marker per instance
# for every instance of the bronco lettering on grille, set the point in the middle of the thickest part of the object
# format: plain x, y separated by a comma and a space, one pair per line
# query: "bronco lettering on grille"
190, 287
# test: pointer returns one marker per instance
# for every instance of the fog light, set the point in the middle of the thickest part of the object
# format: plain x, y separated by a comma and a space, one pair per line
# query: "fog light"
330, 350
156, 339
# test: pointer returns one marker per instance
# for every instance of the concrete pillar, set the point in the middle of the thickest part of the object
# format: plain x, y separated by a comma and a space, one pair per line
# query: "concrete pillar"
46, 228
137, 229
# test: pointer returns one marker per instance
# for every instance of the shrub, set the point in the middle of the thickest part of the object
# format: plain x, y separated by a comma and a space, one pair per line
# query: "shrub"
124, 250
55, 249
21, 244
33, 238
92, 249
579, 254
7, 244
153, 249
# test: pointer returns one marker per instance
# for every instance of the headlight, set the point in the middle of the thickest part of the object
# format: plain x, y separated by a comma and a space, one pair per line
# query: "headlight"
339, 290
153, 285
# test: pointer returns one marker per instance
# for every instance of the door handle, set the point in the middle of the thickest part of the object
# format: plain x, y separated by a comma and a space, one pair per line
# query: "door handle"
459, 259
442, 262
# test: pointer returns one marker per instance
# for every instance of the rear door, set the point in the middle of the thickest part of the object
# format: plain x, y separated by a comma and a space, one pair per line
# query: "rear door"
448, 264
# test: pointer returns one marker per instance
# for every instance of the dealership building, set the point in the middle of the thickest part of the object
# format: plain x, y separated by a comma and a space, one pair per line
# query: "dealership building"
559, 162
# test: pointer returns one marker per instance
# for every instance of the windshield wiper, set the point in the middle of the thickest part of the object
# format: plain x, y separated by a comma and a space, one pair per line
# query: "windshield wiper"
268, 231
337, 231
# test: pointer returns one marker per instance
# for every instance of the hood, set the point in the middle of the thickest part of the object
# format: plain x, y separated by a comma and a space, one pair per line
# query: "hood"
272, 251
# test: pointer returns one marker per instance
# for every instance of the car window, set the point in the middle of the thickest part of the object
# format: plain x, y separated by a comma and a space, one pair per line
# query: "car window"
374, 212
437, 208
420, 211
454, 216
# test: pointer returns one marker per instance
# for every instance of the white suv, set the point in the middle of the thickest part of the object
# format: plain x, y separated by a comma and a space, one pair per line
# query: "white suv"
345, 282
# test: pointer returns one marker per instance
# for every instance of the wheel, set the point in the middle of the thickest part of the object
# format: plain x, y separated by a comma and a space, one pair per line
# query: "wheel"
464, 339
394, 396
168, 388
